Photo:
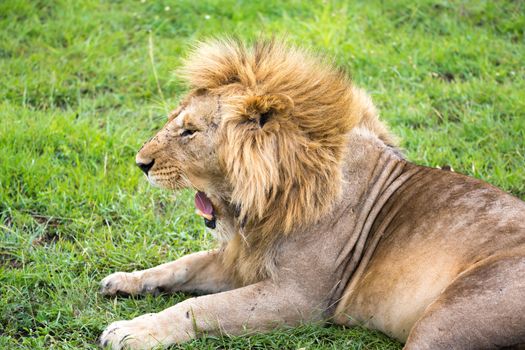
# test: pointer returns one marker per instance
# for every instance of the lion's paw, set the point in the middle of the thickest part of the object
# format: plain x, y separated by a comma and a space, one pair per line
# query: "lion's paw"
122, 283
140, 333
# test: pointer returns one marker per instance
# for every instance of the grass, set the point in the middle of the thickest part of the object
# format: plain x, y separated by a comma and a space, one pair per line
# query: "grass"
79, 95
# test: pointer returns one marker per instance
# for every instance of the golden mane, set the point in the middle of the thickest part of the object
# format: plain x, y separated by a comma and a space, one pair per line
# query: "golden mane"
286, 116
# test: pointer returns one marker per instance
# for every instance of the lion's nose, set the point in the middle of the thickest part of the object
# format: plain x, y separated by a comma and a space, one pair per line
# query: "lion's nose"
145, 167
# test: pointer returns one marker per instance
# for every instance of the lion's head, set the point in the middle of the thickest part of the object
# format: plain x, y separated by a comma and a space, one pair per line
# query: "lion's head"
262, 132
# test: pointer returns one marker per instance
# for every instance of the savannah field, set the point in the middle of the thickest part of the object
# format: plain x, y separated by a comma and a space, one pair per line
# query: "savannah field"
84, 83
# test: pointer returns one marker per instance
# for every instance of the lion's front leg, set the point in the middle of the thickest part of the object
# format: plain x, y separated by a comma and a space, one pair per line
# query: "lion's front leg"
200, 272
258, 307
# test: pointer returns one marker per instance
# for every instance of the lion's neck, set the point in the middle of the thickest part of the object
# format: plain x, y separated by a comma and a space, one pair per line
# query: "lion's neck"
373, 174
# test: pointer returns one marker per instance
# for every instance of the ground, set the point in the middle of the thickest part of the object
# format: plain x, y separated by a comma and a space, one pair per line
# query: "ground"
84, 83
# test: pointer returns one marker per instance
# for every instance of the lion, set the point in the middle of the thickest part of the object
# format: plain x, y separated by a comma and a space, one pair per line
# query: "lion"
318, 216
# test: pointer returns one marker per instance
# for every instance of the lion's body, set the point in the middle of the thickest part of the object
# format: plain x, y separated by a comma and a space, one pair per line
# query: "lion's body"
320, 218
424, 248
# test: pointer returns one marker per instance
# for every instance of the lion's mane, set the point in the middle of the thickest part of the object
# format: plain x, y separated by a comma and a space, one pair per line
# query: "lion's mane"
283, 139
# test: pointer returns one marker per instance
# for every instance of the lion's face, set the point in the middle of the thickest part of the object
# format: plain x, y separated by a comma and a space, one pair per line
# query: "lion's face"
184, 152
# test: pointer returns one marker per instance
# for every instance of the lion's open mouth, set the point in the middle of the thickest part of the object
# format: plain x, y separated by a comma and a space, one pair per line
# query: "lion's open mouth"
204, 208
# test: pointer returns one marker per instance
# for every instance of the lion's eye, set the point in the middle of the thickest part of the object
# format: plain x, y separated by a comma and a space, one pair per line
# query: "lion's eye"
187, 132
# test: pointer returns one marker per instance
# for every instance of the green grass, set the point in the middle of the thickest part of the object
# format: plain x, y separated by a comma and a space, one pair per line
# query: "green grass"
79, 96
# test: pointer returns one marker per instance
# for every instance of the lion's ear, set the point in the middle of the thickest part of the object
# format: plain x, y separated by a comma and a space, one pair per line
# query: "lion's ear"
264, 108
251, 157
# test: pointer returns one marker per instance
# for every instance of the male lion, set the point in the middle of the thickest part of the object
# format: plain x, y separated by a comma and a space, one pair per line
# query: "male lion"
319, 217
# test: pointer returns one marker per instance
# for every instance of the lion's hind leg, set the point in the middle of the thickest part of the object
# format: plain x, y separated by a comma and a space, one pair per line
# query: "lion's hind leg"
201, 273
484, 308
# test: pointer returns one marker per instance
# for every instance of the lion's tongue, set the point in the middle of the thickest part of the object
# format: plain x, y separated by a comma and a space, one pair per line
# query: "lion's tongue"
203, 205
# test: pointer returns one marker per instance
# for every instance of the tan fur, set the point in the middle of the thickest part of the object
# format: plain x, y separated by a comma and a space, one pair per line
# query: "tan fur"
320, 217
